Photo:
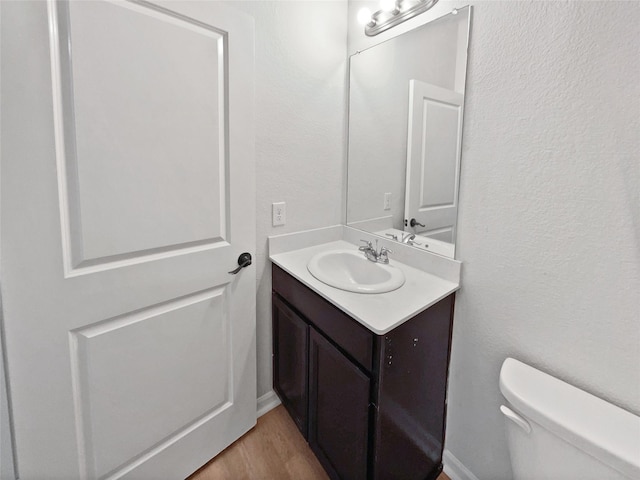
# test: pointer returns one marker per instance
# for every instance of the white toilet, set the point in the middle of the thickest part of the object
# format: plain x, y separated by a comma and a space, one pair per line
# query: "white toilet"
557, 431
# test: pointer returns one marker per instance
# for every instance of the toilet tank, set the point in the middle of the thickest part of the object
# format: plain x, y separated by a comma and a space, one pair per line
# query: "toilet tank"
557, 431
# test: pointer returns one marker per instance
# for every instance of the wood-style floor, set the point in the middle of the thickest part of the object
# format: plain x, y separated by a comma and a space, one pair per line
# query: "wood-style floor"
273, 450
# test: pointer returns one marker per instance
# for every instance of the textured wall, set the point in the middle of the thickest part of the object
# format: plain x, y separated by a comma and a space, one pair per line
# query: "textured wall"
549, 211
300, 122
549, 222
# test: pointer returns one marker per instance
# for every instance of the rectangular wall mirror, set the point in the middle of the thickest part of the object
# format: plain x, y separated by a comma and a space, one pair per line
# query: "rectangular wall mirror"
406, 105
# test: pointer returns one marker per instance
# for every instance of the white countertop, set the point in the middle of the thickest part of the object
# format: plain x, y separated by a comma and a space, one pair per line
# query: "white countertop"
379, 312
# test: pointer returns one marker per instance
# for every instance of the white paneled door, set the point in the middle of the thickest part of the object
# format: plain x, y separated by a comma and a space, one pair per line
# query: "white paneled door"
433, 159
128, 194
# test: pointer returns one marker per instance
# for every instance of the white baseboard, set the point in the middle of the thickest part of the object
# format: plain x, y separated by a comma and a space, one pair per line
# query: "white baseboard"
455, 469
267, 402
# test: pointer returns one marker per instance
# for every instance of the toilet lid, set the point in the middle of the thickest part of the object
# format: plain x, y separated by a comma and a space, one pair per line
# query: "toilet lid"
599, 428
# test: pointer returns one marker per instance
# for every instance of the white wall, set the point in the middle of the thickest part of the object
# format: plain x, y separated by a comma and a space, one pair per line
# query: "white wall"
300, 124
549, 222
6, 449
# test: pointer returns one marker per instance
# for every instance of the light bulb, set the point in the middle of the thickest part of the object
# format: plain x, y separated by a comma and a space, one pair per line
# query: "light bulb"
364, 16
388, 5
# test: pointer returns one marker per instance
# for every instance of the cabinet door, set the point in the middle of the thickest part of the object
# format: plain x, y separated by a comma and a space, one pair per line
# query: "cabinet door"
338, 410
290, 362
410, 419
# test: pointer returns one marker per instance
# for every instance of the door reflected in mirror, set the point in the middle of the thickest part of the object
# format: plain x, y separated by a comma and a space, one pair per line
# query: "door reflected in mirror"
406, 103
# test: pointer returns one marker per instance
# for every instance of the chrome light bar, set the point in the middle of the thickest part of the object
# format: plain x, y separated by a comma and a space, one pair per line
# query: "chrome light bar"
405, 9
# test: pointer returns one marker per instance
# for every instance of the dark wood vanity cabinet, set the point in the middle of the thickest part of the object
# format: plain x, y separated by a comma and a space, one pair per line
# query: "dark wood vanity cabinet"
370, 406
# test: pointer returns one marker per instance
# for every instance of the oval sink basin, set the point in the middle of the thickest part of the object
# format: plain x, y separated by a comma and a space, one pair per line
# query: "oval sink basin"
349, 270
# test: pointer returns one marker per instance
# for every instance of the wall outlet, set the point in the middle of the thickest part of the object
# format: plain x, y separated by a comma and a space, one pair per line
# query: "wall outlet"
387, 201
279, 213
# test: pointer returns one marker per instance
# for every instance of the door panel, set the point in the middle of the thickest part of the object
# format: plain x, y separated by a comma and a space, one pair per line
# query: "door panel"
144, 356
128, 192
137, 127
433, 159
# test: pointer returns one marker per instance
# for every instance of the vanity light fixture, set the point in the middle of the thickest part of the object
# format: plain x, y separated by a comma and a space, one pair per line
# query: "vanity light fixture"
389, 5
364, 16
392, 13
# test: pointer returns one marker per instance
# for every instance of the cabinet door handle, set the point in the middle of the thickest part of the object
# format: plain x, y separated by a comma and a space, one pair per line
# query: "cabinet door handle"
244, 260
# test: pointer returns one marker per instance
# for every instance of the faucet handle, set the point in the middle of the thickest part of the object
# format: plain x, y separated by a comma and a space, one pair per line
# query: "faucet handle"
383, 256
392, 235
368, 246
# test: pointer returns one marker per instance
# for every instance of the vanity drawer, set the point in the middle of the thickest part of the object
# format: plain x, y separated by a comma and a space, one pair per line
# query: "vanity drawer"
348, 334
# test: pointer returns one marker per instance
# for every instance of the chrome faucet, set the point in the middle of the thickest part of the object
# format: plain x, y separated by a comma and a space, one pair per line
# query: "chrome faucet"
369, 251
409, 239
372, 254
